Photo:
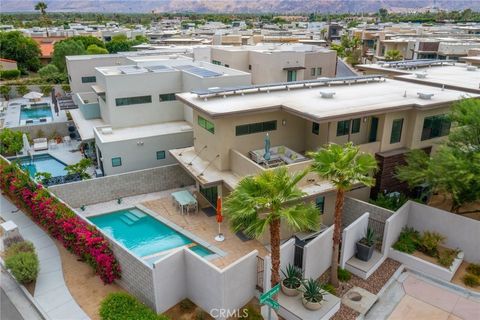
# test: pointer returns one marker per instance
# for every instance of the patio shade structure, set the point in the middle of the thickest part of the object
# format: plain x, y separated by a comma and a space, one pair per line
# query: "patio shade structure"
33, 95
266, 156
220, 236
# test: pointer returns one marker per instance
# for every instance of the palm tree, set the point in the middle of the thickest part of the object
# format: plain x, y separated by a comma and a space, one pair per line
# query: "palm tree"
344, 166
42, 7
393, 55
265, 201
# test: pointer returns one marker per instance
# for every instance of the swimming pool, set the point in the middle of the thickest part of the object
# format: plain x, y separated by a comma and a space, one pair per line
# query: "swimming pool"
43, 163
36, 111
142, 234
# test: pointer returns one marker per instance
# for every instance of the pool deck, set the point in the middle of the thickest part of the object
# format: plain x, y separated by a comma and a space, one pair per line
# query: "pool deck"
12, 114
199, 224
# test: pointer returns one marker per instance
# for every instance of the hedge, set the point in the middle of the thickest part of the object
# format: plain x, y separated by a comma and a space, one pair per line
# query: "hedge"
122, 306
60, 221
9, 74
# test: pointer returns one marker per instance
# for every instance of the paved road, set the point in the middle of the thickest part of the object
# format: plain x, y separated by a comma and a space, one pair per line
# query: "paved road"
7, 309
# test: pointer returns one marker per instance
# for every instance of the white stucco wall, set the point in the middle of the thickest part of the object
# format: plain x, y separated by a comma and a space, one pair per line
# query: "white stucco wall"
317, 254
393, 227
351, 235
287, 251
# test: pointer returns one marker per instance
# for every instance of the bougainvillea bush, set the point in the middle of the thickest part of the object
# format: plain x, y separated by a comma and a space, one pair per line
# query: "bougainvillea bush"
60, 221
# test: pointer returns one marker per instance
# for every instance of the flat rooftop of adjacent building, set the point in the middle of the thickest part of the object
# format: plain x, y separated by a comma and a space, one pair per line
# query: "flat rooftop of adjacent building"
273, 48
143, 131
355, 99
452, 76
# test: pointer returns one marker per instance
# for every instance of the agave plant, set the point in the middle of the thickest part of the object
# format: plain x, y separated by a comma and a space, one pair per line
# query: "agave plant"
370, 237
292, 277
313, 291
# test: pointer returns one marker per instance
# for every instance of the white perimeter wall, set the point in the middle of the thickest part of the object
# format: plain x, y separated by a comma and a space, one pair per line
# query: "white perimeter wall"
460, 232
393, 227
317, 254
351, 235
287, 252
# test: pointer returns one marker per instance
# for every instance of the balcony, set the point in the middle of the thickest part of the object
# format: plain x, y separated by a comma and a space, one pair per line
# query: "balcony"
88, 104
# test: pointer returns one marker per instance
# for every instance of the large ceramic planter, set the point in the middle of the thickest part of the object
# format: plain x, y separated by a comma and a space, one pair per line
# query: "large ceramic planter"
289, 292
311, 305
364, 252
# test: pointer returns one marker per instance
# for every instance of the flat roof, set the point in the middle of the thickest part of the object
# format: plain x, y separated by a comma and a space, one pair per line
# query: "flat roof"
355, 99
144, 131
456, 76
84, 126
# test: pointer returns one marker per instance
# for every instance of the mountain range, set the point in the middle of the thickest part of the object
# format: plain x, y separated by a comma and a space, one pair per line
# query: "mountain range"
238, 6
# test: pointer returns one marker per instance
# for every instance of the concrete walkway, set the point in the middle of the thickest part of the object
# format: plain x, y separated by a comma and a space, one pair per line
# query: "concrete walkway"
51, 292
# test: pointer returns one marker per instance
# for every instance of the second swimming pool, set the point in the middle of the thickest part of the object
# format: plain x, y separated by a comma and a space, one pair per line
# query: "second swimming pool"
143, 234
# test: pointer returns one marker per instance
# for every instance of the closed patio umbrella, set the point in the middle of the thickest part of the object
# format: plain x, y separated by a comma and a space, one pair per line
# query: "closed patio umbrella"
26, 144
220, 236
266, 156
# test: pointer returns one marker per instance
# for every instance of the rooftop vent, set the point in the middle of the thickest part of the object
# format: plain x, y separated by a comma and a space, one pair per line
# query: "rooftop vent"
421, 75
425, 96
327, 94
107, 130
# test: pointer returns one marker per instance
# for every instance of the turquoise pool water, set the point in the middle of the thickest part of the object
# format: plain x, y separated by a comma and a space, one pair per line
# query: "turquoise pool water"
43, 163
143, 234
36, 112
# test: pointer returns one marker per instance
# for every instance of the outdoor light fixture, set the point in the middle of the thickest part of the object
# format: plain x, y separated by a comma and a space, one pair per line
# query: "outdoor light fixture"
284, 122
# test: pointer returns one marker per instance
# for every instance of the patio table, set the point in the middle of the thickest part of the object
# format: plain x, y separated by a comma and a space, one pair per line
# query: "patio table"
184, 198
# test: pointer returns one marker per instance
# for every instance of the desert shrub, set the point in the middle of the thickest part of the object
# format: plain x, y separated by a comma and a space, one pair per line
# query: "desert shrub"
471, 280
8, 242
343, 275
474, 268
447, 256
429, 242
24, 266
251, 313
407, 240
9, 74
186, 305
329, 288
122, 306
390, 202
16, 248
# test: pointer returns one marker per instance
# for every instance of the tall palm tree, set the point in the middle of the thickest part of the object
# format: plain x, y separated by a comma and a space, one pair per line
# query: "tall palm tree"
42, 7
265, 201
344, 166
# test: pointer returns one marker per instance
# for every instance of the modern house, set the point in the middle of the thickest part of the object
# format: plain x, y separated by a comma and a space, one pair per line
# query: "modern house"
384, 117
270, 63
132, 113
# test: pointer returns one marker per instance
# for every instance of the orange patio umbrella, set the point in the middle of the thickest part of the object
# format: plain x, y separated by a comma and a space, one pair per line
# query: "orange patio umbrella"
220, 236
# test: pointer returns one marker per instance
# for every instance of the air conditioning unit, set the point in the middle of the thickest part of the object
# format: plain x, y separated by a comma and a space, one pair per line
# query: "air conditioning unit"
425, 96
327, 94
421, 75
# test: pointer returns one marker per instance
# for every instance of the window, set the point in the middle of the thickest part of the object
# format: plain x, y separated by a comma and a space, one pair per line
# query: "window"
227, 66
312, 71
435, 126
291, 75
315, 128
116, 162
167, 97
89, 79
320, 203
249, 67
319, 71
356, 125
216, 62
207, 125
343, 127
133, 100
160, 155
396, 134
255, 127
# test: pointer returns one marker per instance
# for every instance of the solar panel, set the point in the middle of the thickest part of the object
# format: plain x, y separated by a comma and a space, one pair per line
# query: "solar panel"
202, 72
405, 64
132, 69
282, 85
158, 68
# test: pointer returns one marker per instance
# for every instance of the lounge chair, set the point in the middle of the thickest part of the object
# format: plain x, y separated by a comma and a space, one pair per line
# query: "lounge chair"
40, 144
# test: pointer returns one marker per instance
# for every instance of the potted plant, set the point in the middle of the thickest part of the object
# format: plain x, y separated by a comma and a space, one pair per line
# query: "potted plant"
292, 280
313, 294
366, 246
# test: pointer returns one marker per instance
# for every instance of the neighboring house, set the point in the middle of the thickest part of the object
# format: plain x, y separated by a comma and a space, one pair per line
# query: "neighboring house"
271, 63
384, 117
7, 64
132, 113
46, 45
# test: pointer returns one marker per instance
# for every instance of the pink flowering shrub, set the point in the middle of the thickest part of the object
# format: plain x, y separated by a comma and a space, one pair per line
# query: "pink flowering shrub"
75, 234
